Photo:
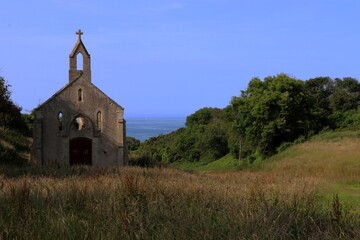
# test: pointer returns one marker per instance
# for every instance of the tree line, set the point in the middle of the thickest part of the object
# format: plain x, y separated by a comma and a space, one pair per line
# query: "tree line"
265, 118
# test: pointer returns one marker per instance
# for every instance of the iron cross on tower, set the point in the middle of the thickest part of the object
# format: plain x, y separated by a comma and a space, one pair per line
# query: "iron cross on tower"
79, 32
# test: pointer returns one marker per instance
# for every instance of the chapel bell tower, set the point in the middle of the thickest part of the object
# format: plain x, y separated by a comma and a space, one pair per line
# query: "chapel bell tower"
79, 61
80, 124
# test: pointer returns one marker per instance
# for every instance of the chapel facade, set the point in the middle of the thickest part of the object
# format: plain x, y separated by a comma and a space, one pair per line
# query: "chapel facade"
79, 124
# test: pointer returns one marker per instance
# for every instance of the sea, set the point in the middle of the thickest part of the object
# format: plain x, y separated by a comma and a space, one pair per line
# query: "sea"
145, 128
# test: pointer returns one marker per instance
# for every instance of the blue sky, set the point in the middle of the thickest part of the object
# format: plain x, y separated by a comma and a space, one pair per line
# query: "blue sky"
170, 58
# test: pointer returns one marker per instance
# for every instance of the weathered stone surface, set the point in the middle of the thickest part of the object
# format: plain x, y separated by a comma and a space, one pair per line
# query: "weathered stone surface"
80, 111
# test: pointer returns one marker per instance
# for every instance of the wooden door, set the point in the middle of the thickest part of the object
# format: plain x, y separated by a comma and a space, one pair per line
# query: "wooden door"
80, 151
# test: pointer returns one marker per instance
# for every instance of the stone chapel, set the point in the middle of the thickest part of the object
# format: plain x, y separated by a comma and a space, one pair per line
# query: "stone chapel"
80, 125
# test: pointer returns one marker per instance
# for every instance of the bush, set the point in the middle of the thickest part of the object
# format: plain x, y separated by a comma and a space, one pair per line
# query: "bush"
350, 119
9, 156
132, 143
143, 162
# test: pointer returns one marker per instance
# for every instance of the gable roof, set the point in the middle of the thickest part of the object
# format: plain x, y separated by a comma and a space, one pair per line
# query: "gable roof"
79, 44
69, 85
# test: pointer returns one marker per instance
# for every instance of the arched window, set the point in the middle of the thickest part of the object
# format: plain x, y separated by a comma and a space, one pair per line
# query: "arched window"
80, 123
79, 61
80, 95
60, 121
98, 121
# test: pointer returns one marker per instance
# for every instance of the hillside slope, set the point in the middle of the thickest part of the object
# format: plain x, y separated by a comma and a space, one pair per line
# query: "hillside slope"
332, 159
14, 147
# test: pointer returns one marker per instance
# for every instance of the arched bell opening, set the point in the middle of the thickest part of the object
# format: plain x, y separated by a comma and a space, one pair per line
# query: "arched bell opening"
79, 61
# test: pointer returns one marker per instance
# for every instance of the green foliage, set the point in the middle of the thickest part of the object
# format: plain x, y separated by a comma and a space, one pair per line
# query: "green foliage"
212, 144
205, 138
8, 155
27, 123
12, 145
143, 161
350, 119
225, 163
271, 112
333, 101
203, 116
15, 139
12, 129
286, 145
266, 118
157, 149
10, 115
345, 95
132, 143
319, 91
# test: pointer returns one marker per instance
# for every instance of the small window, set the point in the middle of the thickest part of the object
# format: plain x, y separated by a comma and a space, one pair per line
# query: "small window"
98, 121
60, 121
80, 95
80, 61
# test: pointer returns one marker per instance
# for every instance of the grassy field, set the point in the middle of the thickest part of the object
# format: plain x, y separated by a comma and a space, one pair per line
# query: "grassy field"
309, 191
332, 158
135, 203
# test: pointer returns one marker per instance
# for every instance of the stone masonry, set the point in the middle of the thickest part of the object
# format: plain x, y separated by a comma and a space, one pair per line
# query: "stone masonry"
80, 125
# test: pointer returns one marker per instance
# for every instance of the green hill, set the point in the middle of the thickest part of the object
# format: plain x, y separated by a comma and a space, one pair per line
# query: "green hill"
330, 160
14, 147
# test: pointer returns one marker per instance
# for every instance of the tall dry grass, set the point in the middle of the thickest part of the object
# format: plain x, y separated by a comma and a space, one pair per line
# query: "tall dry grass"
135, 203
331, 160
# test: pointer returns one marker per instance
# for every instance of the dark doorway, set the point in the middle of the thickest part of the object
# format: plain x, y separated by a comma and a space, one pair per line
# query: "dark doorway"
80, 151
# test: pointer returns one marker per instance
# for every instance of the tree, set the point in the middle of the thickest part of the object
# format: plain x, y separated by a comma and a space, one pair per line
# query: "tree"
346, 95
203, 116
212, 144
319, 90
271, 112
132, 143
10, 113
332, 101
27, 123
